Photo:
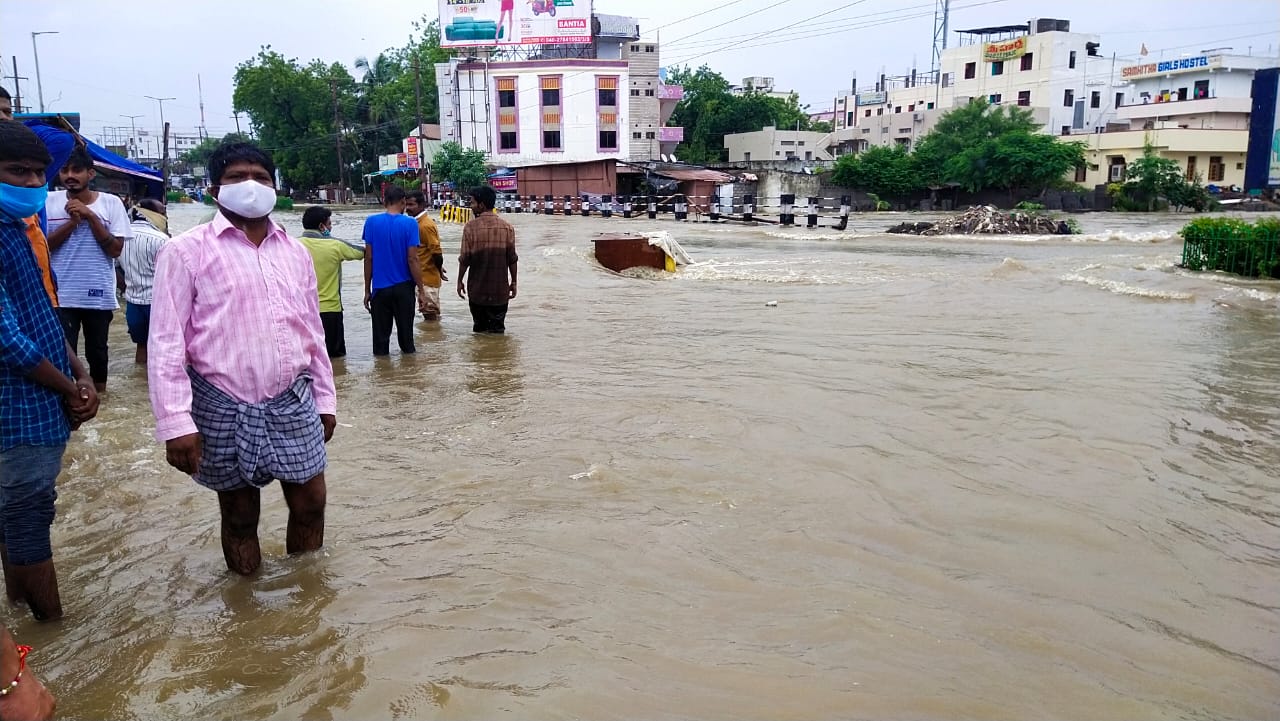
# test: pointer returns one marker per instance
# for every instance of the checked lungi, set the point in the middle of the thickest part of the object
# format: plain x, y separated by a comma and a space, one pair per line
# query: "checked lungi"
250, 444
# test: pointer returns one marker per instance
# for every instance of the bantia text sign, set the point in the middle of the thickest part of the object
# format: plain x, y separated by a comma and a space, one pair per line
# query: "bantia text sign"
488, 23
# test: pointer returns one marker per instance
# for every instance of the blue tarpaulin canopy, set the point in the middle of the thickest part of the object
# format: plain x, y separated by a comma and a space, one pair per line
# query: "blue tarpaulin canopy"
60, 141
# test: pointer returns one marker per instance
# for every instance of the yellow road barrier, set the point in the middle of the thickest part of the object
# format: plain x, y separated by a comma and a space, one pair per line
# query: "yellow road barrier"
455, 214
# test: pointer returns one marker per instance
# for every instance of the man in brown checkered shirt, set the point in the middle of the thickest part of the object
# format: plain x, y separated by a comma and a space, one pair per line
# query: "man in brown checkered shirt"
489, 253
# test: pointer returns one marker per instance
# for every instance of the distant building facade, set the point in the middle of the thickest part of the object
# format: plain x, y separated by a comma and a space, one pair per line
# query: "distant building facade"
571, 118
1194, 110
774, 144
1058, 75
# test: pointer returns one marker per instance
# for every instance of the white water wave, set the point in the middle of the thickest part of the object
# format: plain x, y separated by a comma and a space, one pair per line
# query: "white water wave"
816, 234
1119, 288
807, 271
1258, 294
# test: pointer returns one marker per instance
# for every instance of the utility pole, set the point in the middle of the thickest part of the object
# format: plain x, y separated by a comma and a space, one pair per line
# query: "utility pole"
17, 86
36, 52
133, 138
417, 94
200, 90
236, 115
164, 161
337, 126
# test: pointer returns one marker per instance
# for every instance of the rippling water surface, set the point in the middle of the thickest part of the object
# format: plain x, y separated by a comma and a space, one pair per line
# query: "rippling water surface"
942, 478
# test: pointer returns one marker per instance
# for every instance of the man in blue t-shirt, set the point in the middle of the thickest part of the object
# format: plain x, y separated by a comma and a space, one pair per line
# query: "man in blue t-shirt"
391, 273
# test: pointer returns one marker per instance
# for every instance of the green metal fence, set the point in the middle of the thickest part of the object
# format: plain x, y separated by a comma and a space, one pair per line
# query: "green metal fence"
1232, 246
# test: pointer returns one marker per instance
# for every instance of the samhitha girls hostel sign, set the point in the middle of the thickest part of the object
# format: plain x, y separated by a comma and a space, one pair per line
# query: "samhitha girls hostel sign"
1169, 67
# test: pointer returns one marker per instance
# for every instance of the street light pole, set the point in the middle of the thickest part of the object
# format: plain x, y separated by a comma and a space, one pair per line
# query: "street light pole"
36, 52
161, 102
133, 138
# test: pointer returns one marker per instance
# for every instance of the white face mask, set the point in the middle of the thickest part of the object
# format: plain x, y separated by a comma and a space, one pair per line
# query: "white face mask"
248, 199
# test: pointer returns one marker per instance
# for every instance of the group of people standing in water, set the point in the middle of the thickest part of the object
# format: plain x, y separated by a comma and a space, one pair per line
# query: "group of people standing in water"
236, 330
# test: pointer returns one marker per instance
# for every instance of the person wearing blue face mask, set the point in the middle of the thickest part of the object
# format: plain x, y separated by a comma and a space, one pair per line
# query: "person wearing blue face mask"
45, 391
327, 253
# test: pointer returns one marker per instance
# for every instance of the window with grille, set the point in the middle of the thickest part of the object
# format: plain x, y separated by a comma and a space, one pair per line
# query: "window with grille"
606, 112
551, 112
508, 115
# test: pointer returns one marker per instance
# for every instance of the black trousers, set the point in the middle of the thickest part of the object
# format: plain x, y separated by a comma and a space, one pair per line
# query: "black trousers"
489, 318
96, 324
335, 335
395, 303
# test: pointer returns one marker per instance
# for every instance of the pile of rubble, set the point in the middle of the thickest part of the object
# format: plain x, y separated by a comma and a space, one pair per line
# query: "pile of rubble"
988, 220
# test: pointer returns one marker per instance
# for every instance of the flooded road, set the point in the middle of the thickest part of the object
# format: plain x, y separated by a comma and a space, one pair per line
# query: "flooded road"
943, 478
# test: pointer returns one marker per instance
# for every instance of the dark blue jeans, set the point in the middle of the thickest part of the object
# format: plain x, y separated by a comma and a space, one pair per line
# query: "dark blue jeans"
27, 492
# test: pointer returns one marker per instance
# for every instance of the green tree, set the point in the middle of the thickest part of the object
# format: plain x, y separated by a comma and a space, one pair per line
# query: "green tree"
710, 111
291, 106
462, 167
822, 126
1021, 160
199, 155
1152, 177
881, 171
960, 147
291, 109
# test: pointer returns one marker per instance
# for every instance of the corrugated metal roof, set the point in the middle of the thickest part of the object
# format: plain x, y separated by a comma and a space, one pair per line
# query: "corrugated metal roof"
713, 176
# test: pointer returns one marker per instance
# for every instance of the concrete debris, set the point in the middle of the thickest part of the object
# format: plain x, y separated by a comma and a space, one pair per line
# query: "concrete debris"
987, 220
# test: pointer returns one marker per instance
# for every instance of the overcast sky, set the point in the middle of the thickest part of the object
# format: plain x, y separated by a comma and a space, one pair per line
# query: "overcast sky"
109, 55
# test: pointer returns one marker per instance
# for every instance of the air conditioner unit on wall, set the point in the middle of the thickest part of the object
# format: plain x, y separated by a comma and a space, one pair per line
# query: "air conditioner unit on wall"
918, 117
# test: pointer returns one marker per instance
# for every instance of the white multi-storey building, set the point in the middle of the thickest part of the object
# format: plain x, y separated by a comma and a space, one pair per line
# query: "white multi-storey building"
1193, 109
536, 111
1056, 74
563, 123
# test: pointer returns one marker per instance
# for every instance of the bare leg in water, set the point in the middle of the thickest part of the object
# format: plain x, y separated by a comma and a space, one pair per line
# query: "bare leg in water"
240, 509
306, 503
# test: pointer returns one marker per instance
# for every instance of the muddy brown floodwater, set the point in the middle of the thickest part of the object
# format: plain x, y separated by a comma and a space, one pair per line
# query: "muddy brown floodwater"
943, 478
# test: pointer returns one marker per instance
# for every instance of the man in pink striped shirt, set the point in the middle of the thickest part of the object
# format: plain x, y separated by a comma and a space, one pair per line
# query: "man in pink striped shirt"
240, 381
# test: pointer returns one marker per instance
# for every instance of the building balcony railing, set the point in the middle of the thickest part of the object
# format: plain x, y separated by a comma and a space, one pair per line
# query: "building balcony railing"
1191, 106
670, 92
671, 135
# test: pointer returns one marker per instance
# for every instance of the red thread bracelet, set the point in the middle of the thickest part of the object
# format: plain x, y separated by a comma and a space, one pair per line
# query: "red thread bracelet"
22, 666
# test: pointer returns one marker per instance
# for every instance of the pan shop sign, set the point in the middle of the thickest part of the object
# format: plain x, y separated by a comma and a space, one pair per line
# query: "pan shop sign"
1005, 49
1169, 67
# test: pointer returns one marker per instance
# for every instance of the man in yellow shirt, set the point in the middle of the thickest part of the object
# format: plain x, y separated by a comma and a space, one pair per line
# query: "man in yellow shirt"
328, 253
429, 252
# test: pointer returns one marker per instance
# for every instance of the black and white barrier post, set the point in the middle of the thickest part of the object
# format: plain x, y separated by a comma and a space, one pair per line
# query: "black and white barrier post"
606, 206
653, 207
748, 208
626, 206
548, 206
845, 202
585, 206
715, 209
813, 212
682, 207
568, 205
788, 205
